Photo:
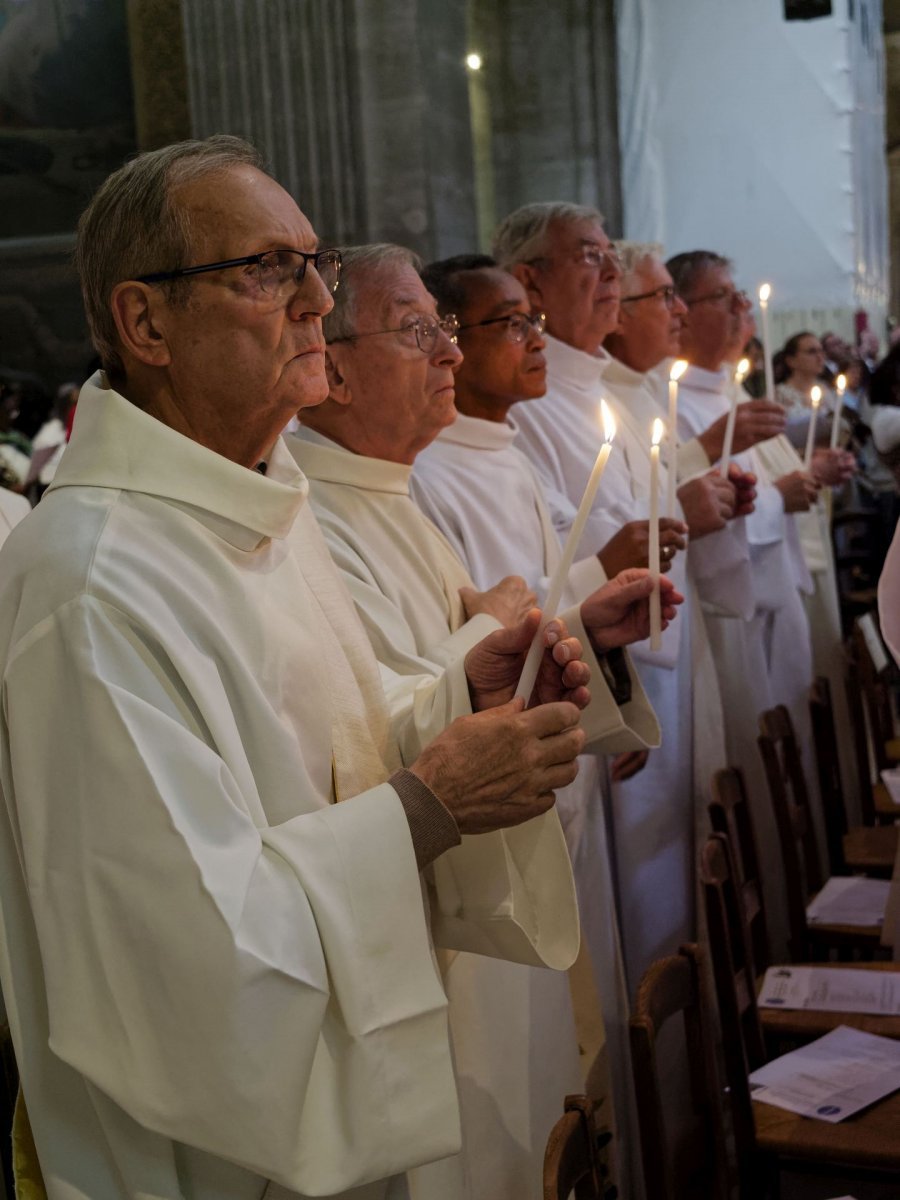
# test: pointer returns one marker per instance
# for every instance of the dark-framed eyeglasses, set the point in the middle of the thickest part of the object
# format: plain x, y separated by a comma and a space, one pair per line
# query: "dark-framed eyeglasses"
591, 255
279, 272
517, 324
666, 294
731, 296
425, 328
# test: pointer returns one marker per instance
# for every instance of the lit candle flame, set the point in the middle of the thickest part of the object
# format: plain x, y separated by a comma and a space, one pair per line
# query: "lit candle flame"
765, 292
609, 422
816, 396
679, 366
841, 382
742, 370
658, 431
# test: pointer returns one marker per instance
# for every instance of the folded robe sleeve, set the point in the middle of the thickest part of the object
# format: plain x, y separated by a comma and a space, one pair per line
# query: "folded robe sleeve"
265, 994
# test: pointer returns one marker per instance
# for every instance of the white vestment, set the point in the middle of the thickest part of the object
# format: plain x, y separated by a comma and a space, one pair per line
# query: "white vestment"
485, 497
513, 1036
766, 658
652, 814
220, 984
13, 509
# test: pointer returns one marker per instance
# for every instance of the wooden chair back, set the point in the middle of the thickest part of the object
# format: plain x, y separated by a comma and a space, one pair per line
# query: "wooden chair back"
854, 692
821, 712
796, 835
873, 663
673, 987
743, 1047
575, 1159
729, 814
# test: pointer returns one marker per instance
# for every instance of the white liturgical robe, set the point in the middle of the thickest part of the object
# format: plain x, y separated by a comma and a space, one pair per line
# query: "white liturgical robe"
513, 1037
653, 814
485, 497
220, 984
13, 509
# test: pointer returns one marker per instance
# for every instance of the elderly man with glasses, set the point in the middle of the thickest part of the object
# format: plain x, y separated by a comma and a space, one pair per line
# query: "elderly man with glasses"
391, 362
220, 982
765, 658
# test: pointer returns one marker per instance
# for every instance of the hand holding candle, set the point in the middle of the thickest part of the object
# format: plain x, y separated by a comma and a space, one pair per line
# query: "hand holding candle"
815, 399
653, 555
765, 292
678, 369
561, 574
841, 385
740, 374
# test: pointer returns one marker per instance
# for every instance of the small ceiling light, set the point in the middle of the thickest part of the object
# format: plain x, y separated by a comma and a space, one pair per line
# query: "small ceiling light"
473, 62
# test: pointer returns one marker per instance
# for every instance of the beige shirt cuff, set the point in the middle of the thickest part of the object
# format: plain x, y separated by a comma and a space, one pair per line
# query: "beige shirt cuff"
431, 824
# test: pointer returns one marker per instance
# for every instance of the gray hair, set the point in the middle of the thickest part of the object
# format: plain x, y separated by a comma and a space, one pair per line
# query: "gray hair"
133, 227
522, 236
359, 263
686, 268
632, 255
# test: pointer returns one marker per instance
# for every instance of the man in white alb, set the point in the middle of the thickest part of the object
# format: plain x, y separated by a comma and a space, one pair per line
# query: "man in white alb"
391, 364
220, 983
766, 658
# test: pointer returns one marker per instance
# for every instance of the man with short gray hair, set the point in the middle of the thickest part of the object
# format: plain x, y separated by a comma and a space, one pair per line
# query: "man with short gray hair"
220, 981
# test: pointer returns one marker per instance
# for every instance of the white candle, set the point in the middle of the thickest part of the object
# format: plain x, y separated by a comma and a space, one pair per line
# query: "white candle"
561, 574
655, 615
765, 292
678, 369
740, 373
815, 397
841, 384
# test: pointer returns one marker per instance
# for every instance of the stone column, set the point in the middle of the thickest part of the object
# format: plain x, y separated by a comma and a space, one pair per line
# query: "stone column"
361, 109
892, 137
551, 72
158, 72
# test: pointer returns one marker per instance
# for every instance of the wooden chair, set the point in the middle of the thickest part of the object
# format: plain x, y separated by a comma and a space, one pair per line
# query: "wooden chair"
729, 814
767, 1138
876, 674
799, 854
863, 844
730, 940
673, 987
875, 801
575, 1158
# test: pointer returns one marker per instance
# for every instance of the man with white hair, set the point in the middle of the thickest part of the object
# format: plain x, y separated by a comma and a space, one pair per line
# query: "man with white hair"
571, 272
220, 981
391, 363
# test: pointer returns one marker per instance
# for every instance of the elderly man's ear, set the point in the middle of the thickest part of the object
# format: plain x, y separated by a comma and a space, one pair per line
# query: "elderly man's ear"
338, 387
529, 277
140, 314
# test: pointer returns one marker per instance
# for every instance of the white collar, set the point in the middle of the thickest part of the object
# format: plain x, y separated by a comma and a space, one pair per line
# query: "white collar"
323, 460
575, 367
478, 433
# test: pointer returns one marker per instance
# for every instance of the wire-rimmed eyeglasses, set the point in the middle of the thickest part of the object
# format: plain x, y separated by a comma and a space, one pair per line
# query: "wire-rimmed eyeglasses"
666, 293
426, 329
278, 271
518, 325
732, 297
592, 255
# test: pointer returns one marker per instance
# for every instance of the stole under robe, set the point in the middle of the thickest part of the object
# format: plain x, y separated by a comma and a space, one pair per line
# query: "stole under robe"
485, 497
512, 1030
220, 983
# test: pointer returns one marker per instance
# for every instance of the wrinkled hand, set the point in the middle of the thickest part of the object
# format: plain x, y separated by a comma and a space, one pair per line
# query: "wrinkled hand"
500, 768
708, 503
508, 601
494, 666
831, 468
744, 484
755, 421
798, 491
618, 614
626, 766
630, 547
